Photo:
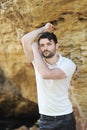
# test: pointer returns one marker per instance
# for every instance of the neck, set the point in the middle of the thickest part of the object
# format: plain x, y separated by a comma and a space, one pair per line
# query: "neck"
52, 60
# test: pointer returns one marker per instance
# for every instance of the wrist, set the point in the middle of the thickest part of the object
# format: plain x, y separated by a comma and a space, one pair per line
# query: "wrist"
43, 28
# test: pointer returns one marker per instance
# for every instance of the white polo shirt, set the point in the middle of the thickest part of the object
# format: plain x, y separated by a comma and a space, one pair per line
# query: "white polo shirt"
53, 97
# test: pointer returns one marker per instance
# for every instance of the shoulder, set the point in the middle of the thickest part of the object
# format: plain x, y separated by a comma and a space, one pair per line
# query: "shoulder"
65, 60
67, 65
68, 61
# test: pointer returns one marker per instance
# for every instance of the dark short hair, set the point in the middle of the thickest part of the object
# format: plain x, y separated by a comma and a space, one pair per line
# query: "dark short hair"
49, 35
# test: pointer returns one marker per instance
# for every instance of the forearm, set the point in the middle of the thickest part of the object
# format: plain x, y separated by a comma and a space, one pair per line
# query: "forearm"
31, 36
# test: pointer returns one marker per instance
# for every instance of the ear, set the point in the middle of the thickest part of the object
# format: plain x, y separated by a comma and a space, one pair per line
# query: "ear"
57, 45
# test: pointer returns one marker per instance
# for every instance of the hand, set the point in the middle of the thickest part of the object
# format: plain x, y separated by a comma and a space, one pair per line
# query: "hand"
49, 27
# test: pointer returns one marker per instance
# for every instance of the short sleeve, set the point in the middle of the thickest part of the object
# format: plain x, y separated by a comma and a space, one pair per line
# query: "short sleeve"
67, 66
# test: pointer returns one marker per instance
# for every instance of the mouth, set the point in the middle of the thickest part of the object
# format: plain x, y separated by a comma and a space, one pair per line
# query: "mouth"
46, 52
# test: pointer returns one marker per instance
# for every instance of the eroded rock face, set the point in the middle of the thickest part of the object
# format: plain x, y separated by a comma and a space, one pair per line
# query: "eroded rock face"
21, 16
12, 103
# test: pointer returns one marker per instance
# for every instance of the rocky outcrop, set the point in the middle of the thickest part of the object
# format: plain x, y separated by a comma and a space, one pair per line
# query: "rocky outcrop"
18, 17
12, 103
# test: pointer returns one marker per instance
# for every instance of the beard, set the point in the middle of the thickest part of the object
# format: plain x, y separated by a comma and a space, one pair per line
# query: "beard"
48, 54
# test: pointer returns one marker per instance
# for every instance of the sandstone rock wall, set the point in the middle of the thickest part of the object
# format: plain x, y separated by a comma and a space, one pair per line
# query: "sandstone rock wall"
18, 17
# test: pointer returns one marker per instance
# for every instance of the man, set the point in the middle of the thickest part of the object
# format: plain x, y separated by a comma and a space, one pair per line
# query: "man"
53, 75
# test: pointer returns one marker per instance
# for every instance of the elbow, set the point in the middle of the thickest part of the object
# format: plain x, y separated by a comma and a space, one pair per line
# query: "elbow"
23, 40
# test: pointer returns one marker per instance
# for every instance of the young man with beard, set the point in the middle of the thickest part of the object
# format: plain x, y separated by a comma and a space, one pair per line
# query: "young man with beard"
53, 75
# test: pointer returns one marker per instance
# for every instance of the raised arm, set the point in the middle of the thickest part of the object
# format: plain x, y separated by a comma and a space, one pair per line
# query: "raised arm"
30, 37
43, 69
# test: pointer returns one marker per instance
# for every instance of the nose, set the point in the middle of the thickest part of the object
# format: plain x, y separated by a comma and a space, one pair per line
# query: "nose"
45, 47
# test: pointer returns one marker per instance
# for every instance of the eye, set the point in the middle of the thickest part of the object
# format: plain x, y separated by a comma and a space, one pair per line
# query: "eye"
48, 43
41, 45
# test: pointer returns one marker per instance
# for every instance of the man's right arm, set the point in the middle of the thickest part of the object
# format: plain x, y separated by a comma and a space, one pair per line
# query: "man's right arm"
30, 37
27, 41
